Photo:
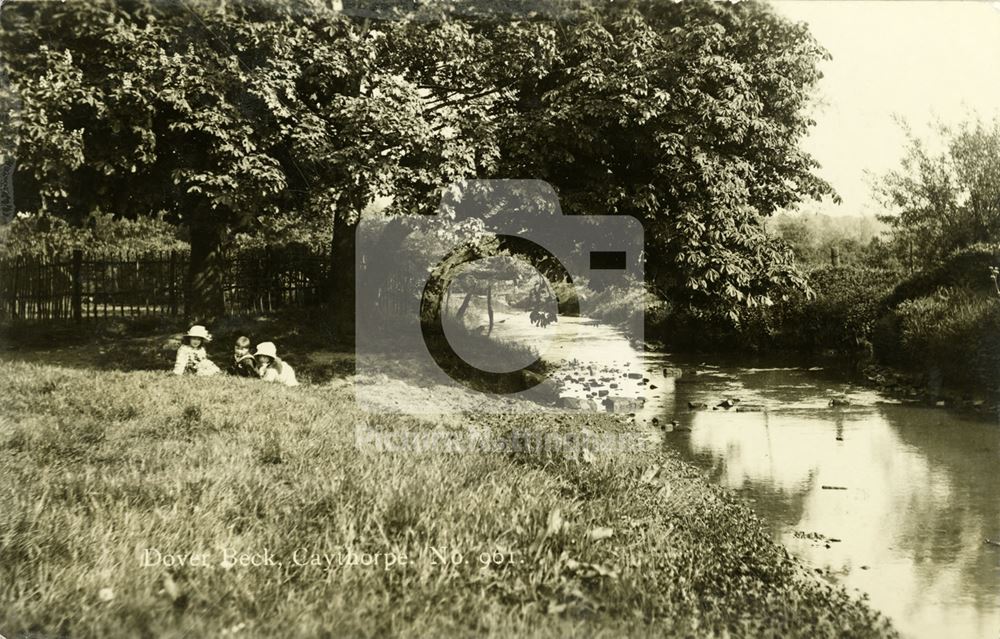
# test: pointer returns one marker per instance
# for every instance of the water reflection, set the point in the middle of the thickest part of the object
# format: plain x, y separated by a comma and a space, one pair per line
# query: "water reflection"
920, 487
920, 491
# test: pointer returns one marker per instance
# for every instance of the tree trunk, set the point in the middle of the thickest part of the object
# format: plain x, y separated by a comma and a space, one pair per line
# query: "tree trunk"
465, 305
343, 249
204, 302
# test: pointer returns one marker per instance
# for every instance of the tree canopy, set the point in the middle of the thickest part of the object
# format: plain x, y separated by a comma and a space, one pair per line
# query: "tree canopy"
218, 115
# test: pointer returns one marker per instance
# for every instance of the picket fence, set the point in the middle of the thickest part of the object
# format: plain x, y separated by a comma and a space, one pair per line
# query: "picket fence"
65, 286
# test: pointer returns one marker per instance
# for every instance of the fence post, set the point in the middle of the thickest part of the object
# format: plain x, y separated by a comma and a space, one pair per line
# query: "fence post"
173, 287
77, 298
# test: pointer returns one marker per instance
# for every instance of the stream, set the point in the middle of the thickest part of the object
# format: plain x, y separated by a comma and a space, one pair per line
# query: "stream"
890, 499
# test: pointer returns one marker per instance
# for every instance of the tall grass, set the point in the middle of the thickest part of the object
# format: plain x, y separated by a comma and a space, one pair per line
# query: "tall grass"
98, 467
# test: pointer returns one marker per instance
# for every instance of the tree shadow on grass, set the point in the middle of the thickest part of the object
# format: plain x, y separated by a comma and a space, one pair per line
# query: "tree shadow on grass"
305, 338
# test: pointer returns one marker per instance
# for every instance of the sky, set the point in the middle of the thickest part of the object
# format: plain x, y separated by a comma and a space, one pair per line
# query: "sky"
918, 59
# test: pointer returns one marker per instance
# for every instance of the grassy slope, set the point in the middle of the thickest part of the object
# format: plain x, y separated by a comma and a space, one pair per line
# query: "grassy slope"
96, 466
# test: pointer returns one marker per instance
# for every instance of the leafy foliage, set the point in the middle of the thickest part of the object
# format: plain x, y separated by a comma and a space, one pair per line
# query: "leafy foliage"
678, 114
942, 201
101, 234
847, 303
967, 268
838, 314
951, 333
946, 320
223, 114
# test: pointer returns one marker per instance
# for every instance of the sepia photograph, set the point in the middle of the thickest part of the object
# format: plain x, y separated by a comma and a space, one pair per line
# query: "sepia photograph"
499, 318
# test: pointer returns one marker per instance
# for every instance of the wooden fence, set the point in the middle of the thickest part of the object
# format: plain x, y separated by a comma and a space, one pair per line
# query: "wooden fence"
140, 284
267, 279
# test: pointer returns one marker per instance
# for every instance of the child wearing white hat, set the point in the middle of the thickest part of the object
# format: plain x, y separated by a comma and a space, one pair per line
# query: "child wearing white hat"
271, 368
191, 356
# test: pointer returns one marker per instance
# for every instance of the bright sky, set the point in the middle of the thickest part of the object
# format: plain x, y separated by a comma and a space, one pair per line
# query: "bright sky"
918, 59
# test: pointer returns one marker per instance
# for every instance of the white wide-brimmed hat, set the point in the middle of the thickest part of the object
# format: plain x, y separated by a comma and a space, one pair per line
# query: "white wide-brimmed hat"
268, 349
199, 331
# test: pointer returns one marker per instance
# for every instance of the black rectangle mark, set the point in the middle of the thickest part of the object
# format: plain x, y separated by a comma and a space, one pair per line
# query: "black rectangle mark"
607, 260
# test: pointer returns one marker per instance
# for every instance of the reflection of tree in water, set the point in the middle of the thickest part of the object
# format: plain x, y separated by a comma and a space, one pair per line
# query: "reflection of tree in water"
777, 506
945, 517
930, 478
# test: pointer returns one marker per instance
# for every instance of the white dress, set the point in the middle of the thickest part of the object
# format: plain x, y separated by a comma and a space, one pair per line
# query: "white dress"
194, 360
281, 372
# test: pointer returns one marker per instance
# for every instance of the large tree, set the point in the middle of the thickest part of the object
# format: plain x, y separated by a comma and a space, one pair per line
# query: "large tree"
220, 113
689, 117
142, 108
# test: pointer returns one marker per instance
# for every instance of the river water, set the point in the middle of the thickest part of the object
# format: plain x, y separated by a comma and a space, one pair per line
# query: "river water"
893, 500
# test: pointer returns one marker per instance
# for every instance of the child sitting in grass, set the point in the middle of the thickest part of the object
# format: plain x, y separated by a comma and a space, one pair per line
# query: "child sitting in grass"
192, 357
272, 369
243, 364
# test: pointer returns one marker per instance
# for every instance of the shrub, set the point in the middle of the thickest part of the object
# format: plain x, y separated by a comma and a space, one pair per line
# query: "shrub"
839, 314
966, 268
950, 335
847, 303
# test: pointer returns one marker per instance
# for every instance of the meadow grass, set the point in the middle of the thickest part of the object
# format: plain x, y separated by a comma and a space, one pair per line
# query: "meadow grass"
98, 467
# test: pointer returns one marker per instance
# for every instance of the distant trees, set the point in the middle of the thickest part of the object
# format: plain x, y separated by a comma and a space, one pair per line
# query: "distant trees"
943, 200
811, 236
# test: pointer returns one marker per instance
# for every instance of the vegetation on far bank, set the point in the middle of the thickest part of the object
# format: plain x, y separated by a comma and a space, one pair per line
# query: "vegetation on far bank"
922, 297
939, 325
111, 463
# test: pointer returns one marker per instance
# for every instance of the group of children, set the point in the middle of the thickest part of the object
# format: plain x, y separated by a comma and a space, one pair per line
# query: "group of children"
263, 363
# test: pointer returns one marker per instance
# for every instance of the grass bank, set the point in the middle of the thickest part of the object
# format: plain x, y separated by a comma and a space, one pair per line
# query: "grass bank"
98, 467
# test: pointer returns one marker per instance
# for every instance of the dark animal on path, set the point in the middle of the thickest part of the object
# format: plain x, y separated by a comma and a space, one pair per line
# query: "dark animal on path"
728, 403
542, 319
836, 401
